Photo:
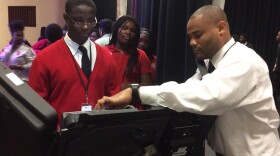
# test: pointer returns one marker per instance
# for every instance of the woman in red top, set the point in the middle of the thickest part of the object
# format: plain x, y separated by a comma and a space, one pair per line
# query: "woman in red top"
133, 65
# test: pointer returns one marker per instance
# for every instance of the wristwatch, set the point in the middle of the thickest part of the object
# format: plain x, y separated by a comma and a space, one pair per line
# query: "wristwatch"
135, 93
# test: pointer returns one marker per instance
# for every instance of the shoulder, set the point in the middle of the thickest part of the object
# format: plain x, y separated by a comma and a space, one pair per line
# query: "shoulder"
7, 48
54, 50
55, 47
248, 56
103, 50
141, 53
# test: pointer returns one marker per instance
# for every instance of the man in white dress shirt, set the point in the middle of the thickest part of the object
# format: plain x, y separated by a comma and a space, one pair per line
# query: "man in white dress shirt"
239, 90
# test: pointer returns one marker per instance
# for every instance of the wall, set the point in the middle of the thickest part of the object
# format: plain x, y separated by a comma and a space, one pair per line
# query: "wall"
47, 11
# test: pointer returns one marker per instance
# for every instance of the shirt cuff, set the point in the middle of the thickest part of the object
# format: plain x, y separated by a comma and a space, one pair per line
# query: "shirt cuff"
148, 95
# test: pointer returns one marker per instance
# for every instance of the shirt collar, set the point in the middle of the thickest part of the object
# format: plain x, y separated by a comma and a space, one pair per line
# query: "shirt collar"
73, 46
220, 54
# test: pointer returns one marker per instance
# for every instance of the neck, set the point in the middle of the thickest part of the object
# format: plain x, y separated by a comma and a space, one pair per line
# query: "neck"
124, 48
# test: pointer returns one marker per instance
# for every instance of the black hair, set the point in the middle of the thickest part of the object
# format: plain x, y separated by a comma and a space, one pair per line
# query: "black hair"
147, 32
42, 33
133, 58
53, 32
70, 4
244, 35
106, 25
16, 25
235, 37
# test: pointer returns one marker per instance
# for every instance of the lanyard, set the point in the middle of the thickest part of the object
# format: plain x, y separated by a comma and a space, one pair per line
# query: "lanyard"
201, 64
85, 86
229, 48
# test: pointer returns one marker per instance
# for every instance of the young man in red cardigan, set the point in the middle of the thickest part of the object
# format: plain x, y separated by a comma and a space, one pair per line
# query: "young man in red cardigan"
56, 73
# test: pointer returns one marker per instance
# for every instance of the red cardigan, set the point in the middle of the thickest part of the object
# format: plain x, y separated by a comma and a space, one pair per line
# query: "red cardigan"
54, 77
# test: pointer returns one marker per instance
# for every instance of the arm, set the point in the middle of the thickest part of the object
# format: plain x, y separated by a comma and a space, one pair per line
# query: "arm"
122, 98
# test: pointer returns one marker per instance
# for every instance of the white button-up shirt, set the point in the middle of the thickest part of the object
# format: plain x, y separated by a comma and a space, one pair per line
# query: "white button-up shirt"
239, 91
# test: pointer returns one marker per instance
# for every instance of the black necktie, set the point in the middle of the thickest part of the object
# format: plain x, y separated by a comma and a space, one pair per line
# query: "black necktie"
86, 66
206, 121
211, 67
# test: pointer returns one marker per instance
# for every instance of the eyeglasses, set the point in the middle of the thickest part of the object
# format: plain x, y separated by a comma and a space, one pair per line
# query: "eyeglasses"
82, 23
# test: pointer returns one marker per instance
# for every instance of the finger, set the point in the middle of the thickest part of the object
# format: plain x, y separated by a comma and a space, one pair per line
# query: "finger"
98, 105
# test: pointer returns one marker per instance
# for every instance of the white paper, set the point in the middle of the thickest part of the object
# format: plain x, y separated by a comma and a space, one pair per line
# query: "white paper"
15, 79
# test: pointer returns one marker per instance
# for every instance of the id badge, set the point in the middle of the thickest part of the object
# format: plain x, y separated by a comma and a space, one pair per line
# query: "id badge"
86, 107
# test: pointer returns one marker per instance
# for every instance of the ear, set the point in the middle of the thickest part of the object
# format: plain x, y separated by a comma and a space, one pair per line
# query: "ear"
65, 18
222, 26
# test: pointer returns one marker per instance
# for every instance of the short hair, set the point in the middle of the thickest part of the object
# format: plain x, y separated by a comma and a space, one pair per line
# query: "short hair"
244, 35
106, 25
53, 32
212, 13
16, 25
70, 4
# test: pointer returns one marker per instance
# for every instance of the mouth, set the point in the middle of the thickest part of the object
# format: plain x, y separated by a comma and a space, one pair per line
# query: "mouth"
84, 34
126, 37
196, 51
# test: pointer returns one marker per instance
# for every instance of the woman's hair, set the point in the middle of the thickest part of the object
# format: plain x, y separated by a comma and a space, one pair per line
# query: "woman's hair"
16, 25
133, 58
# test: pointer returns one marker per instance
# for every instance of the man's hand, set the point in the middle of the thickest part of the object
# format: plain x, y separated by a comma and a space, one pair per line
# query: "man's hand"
119, 100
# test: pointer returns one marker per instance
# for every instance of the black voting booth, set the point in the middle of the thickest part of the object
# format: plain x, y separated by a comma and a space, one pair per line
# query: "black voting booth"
27, 122
28, 128
128, 132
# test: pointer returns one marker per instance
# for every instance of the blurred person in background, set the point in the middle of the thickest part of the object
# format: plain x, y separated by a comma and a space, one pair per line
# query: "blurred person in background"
17, 55
145, 44
53, 32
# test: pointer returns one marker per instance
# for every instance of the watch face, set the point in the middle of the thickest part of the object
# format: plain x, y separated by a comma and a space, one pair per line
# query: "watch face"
135, 85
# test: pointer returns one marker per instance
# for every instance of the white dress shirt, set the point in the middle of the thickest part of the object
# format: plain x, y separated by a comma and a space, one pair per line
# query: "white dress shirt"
104, 40
74, 48
239, 91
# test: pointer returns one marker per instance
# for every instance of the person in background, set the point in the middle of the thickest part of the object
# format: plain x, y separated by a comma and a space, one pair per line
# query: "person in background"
105, 30
53, 32
132, 63
60, 73
17, 55
276, 73
42, 33
243, 38
235, 37
94, 35
145, 44
238, 91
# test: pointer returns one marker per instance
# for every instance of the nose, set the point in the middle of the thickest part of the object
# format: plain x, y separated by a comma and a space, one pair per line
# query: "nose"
193, 42
85, 26
128, 32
